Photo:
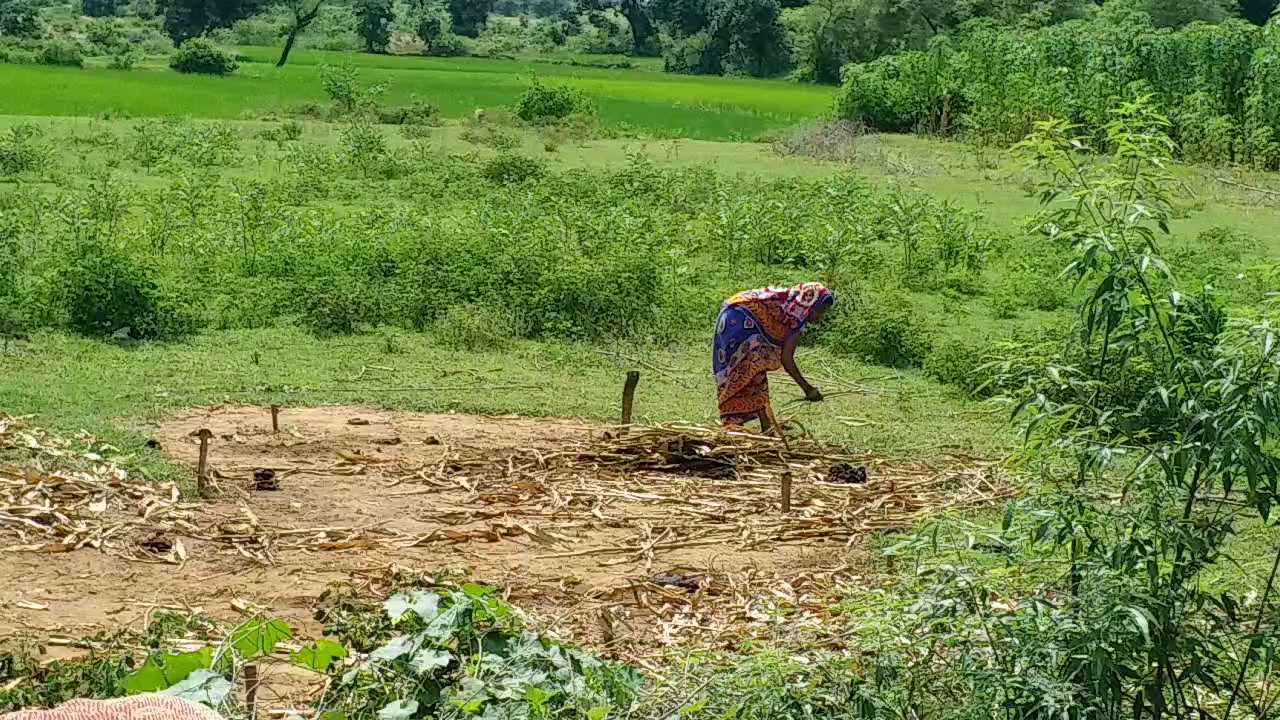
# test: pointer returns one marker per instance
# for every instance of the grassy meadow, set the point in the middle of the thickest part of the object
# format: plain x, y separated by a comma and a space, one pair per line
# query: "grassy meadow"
643, 102
168, 241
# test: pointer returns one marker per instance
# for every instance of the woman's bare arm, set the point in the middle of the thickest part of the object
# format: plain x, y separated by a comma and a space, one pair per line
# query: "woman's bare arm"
789, 363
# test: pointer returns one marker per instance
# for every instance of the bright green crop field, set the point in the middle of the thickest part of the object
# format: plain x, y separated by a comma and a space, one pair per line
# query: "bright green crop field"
649, 103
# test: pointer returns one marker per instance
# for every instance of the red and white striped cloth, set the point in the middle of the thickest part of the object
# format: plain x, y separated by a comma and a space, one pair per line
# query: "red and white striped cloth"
136, 707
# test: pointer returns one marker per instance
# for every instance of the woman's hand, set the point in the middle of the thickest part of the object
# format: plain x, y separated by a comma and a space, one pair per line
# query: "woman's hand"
812, 394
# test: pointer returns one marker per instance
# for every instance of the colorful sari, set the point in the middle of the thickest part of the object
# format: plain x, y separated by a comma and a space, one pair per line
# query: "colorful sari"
750, 332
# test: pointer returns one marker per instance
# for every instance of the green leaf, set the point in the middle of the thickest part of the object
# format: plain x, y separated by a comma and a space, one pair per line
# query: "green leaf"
429, 659
258, 637
203, 686
1141, 620
443, 627
598, 713
162, 671
319, 655
398, 710
398, 647
425, 605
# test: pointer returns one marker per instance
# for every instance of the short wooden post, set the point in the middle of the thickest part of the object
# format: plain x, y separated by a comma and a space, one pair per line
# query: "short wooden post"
251, 690
275, 419
202, 470
786, 492
629, 397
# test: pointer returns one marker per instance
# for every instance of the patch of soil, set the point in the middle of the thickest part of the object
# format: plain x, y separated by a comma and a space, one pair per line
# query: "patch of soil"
621, 560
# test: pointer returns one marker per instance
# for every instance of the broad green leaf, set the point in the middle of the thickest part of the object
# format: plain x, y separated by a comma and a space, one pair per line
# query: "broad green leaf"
398, 710
319, 655
598, 713
398, 647
425, 605
203, 686
442, 628
162, 671
429, 659
258, 637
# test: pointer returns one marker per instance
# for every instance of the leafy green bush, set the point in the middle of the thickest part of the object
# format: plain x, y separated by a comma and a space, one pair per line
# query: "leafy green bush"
497, 138
200, 55
62, 53
882, 329
476, 328
508, 168
336, 306
123, 61
285, 132
22, 149
419, 112
202, 144
542, 103
958, 362
447, 643
100, 289
20, 19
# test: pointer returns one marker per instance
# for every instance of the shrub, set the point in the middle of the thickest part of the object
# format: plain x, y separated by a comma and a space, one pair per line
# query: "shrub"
959, 363
366, 149
420, 112
1006, 303
62, 53
200, 55
20, 18
201, 144
22, 149
496, 138
476, 328
541, 103
106, 37
123, 61
18, 56
510, 168
336, 306
100, 290
287, 131
885, 330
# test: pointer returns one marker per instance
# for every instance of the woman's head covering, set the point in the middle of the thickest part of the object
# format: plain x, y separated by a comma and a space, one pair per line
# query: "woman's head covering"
803, 299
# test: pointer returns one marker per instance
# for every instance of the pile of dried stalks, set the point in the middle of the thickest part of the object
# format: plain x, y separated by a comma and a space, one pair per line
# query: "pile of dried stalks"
679, 510
61, 498
651, 536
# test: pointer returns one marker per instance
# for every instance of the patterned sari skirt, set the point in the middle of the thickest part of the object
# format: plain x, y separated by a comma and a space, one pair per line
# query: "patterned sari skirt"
741, 359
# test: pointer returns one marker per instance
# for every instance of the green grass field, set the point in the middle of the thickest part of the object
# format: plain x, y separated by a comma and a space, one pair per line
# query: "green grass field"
402, 267
644, 102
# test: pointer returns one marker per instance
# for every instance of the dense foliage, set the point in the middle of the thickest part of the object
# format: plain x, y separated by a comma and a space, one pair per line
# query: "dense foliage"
200, 55
1216, 83
601, 253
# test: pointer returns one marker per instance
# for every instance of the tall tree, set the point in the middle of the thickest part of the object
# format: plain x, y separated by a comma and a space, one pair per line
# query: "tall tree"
20, 18
1176, 13
638, 13
1258, 12
431, 22
469, 16
373, 22
99, 8
188, 18
304, 12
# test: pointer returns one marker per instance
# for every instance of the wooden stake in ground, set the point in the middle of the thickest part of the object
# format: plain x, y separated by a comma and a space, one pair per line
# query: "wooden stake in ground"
251, 690
786, 492
629, 396
202, 470
275, 419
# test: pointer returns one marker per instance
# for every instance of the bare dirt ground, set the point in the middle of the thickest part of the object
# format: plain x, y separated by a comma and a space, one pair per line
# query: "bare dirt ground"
665, 536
